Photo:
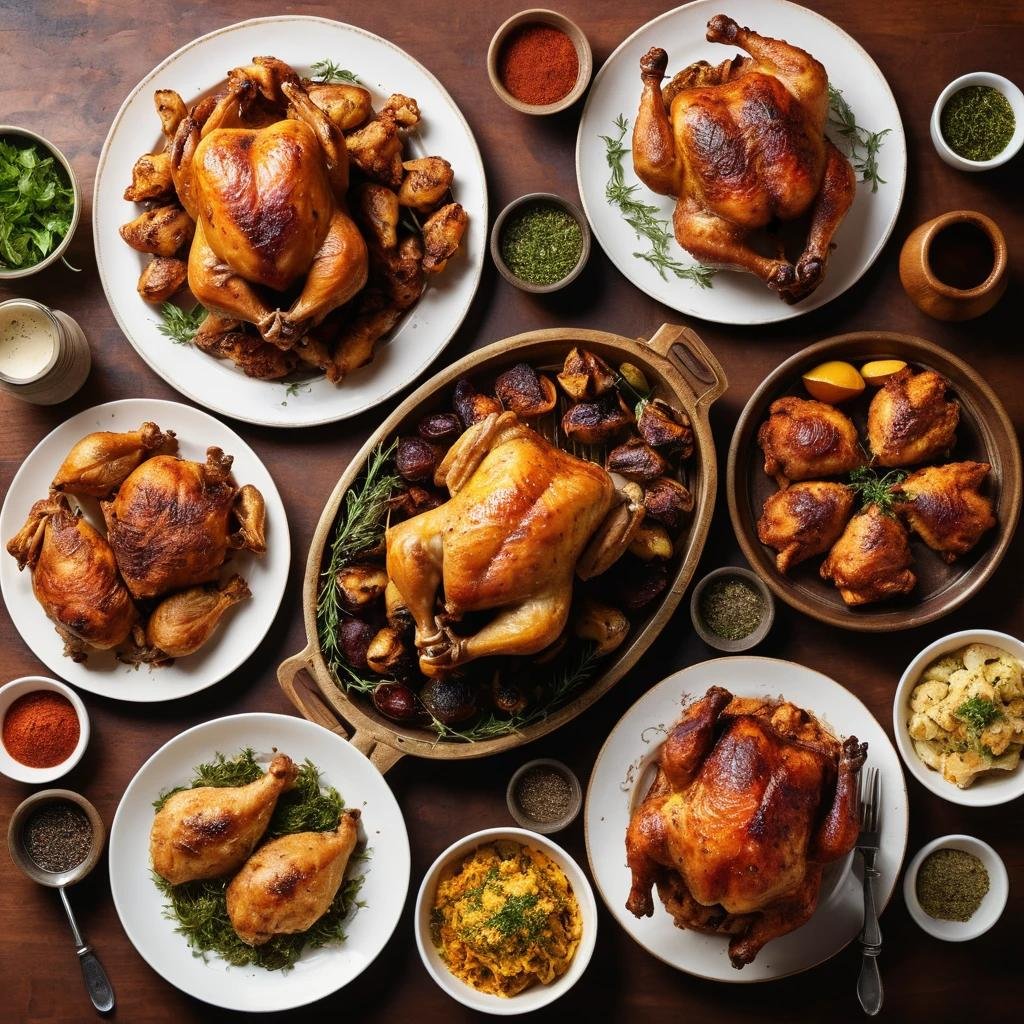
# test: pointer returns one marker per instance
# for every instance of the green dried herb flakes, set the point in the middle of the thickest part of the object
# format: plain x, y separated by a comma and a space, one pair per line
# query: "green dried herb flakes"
36, 204
977, 122
951, 885
541, 243
731, 608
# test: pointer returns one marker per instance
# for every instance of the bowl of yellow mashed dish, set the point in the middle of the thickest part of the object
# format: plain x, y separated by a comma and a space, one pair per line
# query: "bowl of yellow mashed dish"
505, 921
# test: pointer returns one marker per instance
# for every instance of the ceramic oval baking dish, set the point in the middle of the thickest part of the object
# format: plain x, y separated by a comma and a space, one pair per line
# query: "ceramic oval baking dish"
680, 368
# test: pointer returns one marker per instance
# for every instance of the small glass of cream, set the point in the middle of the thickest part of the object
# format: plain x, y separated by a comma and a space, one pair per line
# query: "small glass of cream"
44, 355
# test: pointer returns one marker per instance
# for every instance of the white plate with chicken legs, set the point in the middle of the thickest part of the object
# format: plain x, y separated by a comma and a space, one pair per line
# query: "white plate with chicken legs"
735, 297
197, 70
623, 775
318, 972
242, 626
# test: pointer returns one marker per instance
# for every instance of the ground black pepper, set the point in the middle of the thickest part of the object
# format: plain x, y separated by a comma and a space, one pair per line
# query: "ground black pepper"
58, 836
544, 794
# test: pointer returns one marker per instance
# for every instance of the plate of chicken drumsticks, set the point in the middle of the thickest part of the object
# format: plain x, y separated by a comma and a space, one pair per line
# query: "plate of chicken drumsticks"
147, 550
297, 240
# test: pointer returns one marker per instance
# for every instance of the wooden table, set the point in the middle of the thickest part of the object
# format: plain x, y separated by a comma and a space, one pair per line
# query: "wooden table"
99, 51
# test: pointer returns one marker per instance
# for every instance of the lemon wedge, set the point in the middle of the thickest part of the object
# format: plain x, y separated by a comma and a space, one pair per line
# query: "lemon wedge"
834, 382
878, 371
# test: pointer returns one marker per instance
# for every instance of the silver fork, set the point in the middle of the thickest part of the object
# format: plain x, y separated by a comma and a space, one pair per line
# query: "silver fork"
869, 983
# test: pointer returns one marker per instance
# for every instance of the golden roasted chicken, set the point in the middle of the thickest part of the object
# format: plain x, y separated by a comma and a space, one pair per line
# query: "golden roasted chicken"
98, 464
911, 420
804, 439
742, 147
290, 882
752, 798
804, 520
182, 623
210, 831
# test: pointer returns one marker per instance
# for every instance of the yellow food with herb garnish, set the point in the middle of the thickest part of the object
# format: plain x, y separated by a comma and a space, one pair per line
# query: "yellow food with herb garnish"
504, 918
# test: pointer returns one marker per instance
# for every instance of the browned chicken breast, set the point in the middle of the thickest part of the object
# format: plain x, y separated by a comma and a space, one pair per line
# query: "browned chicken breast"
804, 520
910, 419
804, 439
98, 464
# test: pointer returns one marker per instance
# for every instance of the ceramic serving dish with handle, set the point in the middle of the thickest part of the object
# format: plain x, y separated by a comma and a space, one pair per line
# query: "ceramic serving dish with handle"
985, 434
681, 369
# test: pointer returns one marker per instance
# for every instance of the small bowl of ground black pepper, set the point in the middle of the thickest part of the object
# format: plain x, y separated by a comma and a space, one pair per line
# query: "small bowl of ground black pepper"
540, 242
956, 888
539, 62
732, 610
978, 122
544, 796
44, 729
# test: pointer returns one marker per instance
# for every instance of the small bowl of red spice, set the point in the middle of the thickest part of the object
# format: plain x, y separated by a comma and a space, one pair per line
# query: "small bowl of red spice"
44, 729
539, 62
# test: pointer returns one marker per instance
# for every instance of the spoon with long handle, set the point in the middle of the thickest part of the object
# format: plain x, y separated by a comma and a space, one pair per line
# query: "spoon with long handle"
97, 984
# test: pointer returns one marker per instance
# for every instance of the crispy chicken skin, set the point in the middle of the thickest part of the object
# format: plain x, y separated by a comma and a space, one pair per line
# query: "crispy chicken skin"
945, 507
740, 146
803, 439
100, 462
871, 560
185, 621
910, 419
804, 520
751, 799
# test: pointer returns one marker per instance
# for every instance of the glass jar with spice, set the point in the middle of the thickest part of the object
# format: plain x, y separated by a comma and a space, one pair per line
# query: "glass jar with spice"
44, 729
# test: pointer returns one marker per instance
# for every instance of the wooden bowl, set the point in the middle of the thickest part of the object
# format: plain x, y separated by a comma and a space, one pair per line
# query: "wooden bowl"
985, 434
679, 368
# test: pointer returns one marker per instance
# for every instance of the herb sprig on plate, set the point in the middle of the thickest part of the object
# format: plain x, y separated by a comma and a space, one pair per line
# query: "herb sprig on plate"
872, 489
181, 325
328, 71
863, 144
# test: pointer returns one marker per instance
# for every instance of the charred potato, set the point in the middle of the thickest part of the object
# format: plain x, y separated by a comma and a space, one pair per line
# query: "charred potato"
667, 501
585, 376
471, 405
440, 428
650, 542
606, 627
396, 701
597, 422
412, 500
661, 426
525, 392
450, 699
416, 459
355, 637
641, 583
636, 460
507, 695
359, 586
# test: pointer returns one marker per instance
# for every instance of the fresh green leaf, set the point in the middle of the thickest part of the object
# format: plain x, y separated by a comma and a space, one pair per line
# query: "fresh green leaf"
181, 325
872, 489
328, 71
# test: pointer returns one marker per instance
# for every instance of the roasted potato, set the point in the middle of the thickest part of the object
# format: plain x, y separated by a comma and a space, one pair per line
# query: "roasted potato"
162, 231
354, 638
162, 277
585, 376
359, 586
425, 183
600, 623
450, 699
667, 501
151, 178
396, 701
416, 459
387, 654
598, 422
651, 542
525, 392
440, 428
636, 460
470, 404
661, 426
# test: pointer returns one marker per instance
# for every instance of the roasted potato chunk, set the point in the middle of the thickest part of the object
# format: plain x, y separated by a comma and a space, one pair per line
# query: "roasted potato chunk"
585, 376
661, 426
162, 277
470, 404
347, 106
387, 654
651, 542
600, 623
636, 460
425, 184
416, 459
525, 392
359, 586
440, 428
162, 231
597, 422
442, 235
151, 178
667, 501
354, 638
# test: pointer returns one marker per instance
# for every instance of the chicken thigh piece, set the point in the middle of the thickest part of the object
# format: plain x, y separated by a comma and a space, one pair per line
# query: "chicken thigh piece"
910, 419
288, 884
871, 561
803, 439
751, 798
742, 147
804, 520
210, 831
98, 464
945, 507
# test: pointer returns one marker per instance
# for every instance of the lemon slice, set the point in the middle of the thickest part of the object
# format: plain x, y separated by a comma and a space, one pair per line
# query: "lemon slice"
834, 382
878, 371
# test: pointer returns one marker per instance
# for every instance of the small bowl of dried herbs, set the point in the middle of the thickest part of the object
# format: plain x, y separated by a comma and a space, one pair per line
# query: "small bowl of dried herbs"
977, 122
732, 609
39, 203
540, 242
956, 888
544, 796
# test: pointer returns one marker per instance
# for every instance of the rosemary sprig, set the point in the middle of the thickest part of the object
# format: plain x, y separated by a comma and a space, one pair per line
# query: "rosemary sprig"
644, 218
180, 325
328, 71
863, 144
873, 489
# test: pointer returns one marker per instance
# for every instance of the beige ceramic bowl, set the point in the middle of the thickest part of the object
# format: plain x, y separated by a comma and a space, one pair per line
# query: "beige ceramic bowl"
539, 15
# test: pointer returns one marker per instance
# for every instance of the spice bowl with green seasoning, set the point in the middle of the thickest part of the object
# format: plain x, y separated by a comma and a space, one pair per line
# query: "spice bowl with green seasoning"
978, 122
540, 242
956, 888
732, 609
544, 796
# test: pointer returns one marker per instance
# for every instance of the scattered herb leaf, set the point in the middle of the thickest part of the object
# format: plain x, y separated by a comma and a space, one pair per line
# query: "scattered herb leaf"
873, 489
328, 71
863, 145
978, 713
180, 325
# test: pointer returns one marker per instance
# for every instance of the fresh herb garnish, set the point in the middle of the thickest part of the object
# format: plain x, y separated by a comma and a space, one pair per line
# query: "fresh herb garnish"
873, 489
328, 71
37, 204
541, 244
978, 713
863, 145
181, 325
977, 122
644, 218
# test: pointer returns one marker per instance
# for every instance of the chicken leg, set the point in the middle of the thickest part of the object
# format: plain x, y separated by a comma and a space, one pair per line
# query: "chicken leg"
99, 463
183, 622
837, 832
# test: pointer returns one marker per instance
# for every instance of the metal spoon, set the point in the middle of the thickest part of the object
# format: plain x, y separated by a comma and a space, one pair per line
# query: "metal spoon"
96, 982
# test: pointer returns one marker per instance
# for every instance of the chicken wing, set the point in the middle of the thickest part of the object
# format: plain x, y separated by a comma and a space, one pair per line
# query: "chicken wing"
871, 560
804, 520
945, 507
803, 439
100, 462
442, 235
910, 419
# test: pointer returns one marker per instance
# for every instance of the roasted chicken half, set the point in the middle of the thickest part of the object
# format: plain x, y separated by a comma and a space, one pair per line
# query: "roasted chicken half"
804, 520
742, 147
803, 439
289, 883
210, 831
945, 507
911, 420
752, 798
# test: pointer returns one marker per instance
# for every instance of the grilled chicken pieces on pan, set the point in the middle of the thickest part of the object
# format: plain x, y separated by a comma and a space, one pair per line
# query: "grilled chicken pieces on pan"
910, 419
804, 439
804, 520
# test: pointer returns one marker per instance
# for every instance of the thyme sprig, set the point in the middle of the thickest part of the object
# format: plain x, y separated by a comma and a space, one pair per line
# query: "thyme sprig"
644, 218
181, 325
863, 145
328, 71
873, 489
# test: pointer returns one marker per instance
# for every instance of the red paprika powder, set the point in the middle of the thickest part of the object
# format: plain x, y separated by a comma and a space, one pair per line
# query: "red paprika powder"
538, 64
41, 729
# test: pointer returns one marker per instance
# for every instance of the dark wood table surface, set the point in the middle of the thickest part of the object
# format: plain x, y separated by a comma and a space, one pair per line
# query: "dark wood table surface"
66, 68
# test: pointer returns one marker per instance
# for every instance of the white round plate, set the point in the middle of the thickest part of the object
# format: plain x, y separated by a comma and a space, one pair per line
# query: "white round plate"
198, 68
243, 627
737, 298
319, 971
624, 771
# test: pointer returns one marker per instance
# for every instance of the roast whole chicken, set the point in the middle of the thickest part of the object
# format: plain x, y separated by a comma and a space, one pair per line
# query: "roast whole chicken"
210, 831
742, 147
752, 798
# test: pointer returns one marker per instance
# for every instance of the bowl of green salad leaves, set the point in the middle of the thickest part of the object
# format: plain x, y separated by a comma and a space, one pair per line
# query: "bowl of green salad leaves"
39, 202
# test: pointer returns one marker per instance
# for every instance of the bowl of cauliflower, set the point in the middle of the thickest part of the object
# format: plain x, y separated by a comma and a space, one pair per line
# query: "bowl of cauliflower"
958, 717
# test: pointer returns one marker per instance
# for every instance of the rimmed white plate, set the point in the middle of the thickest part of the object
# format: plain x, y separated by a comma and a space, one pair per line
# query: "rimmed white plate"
196, 69
319, 971
243, 627
624, 771
739, 298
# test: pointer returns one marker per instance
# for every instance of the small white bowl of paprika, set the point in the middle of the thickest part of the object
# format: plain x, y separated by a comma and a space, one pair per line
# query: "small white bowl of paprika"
44, 729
